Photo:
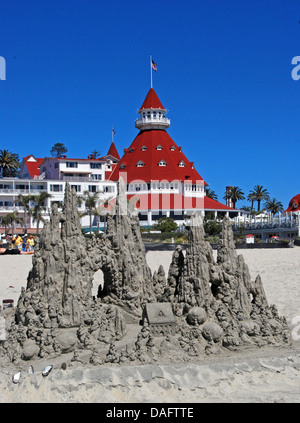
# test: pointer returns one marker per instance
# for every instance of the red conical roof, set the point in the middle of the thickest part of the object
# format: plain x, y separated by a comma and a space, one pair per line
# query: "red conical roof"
144, 149
152, 101
113, 151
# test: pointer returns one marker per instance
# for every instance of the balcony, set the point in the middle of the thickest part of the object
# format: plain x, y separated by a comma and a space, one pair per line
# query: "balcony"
77, 178
152, 122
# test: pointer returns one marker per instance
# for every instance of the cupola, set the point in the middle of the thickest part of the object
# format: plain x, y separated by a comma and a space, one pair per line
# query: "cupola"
152, 113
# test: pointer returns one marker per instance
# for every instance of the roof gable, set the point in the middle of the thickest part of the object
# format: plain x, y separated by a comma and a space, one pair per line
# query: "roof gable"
113, 151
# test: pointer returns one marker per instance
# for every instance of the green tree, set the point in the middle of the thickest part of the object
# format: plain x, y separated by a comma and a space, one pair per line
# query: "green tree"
273, 205
96, 153
25, 201
211, 194
9, 221
251, 197
58, 149
91, 199
259, 194
9, 164
166, 224
211, 227
38, 208
249, 209
234, 194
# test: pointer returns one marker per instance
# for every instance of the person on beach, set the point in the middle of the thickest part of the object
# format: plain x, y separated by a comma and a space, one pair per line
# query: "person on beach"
6, 251
18, 242
30, 243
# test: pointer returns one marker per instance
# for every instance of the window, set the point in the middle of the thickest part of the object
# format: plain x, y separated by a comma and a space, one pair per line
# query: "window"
56, 165
72, 164
21, 186
162, 163
159, 147
143, 148
108, 188
172, 148
96, 177
122, 166
95, 165
140, 164
93, 188
181, 164
56, 188
131, 150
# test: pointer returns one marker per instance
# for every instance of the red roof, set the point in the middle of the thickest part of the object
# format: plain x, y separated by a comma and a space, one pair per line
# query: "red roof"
152, 101
294, 204
144, 150
209, 203
33, 167
113, 151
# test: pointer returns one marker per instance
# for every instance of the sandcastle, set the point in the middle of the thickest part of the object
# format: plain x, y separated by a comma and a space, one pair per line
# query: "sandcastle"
201, 306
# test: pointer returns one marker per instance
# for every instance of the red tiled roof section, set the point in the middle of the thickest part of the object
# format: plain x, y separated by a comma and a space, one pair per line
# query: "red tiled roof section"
209, 203
152, 101
294, 204
34, 167
113, 151
144, 149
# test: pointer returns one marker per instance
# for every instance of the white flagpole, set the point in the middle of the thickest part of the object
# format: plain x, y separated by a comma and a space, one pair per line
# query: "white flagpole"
151, 70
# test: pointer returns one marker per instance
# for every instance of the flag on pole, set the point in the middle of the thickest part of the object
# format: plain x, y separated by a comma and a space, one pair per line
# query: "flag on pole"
113, 131
153, 65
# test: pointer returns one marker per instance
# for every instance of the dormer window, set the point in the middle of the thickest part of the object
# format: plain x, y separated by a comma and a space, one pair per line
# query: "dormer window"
159, 147
162, 163
181, 164
131, 150
122, 166
172, 148
143, 148
140, 163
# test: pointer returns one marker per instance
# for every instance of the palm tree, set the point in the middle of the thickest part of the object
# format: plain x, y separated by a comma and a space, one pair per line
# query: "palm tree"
9, 220
91, 200
39, 207
234, 194
249, 209
274, 206
6, 221
211, 194
259, 194
25, 201
251, 198
8, 163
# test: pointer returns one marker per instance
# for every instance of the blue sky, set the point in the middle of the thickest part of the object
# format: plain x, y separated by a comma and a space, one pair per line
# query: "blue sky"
74, 69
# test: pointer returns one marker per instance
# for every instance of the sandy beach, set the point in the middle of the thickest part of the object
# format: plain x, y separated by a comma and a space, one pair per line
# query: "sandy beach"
270, 375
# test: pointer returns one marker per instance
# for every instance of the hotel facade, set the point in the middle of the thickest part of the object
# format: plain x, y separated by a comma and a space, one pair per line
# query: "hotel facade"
159, 179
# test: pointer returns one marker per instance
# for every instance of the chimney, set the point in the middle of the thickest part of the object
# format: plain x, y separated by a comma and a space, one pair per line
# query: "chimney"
229, 202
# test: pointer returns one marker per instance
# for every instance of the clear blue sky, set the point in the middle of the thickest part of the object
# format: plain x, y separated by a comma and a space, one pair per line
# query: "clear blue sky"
77, 68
